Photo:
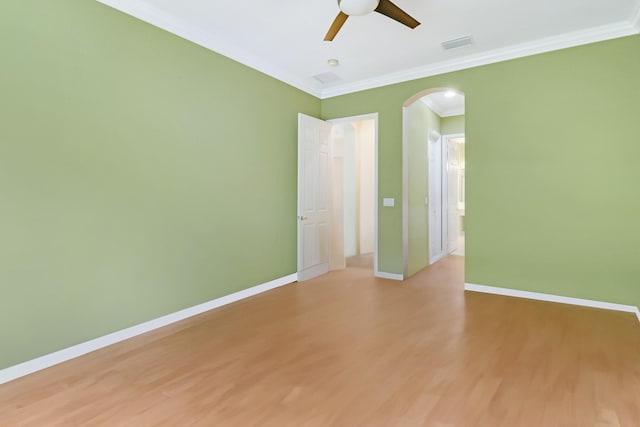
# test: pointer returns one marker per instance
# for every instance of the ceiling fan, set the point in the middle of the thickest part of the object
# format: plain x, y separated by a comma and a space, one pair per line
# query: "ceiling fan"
364, 7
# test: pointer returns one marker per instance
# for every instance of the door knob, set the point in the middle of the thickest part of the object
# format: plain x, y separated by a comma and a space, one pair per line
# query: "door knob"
303, 218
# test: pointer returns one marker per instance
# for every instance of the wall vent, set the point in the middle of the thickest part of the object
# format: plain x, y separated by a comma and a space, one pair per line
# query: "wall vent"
456, 43
328, 77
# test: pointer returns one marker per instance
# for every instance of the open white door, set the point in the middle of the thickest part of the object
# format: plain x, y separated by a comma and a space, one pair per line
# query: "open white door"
453, 172
313, 196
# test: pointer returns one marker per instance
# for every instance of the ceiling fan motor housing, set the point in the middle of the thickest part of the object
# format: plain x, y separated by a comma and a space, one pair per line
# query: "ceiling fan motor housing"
358, 7
363, 7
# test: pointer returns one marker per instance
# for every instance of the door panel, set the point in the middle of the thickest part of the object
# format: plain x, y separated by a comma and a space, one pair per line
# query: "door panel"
452, 186
313, 197
435, 200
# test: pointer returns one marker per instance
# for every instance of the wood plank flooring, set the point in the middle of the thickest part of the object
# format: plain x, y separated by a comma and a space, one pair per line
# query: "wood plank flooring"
348, 349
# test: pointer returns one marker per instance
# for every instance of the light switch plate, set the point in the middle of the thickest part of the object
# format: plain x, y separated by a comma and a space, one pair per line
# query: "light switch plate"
388, 202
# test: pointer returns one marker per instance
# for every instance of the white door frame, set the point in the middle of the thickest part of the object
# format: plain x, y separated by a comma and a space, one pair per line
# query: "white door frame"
359, 118
433, 258
405, 189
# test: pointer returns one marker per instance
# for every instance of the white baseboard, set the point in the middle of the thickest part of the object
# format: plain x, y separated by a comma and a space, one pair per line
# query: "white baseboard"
436, 258
552, 298
46, 361
392, 276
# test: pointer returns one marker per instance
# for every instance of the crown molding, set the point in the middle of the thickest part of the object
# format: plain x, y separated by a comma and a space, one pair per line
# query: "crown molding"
548, 44
441, 112
141, 10
453, 112
158, 18
431, 105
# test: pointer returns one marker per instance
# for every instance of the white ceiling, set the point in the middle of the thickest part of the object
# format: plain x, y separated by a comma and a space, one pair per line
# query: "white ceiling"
284, 38
445, 103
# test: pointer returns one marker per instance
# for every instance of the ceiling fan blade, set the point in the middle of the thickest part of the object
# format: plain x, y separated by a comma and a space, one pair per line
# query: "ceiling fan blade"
389, 9
335, 27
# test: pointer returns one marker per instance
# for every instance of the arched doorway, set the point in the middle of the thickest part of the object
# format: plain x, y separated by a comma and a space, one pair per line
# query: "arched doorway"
432, 177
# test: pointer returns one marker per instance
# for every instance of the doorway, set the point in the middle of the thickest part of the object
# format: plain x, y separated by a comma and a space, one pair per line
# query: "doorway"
353, 188
353, 194
446, 195
337, 194
455, 192
433, 177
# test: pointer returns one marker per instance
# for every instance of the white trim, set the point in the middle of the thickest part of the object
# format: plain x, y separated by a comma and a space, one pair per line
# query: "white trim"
552, 298
405, 191
548, 44
152, 15
444, 198
351, 119
436, 108
314, 271
392, 276
438, 257
46, 361
431, 105
446, 137
435, 137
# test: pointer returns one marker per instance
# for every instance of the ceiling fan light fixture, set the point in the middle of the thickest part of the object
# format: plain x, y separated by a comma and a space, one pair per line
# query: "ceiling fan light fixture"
358, 7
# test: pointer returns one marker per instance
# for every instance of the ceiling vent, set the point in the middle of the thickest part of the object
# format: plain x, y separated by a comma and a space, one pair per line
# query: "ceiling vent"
328, 77
456, 43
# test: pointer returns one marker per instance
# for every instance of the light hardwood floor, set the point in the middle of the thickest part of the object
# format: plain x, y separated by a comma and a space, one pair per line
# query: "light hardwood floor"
360, 261
351, 350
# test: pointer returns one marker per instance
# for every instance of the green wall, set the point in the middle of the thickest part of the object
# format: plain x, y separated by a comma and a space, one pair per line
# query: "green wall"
134, 167
452, 125
140, 174
551, 156
421, 121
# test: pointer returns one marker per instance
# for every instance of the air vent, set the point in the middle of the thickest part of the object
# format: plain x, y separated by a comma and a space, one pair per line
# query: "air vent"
328, 77
456, 43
